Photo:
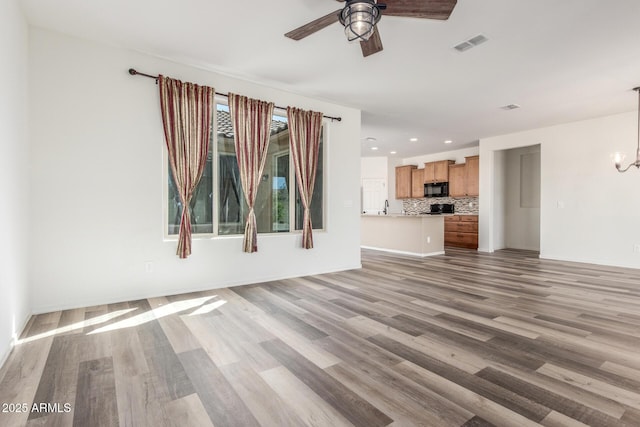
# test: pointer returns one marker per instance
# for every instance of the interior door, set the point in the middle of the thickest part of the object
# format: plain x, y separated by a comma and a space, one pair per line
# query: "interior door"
374, 193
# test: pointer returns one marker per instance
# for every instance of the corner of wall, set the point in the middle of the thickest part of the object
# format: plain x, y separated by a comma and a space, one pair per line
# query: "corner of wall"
14, 341
14, 175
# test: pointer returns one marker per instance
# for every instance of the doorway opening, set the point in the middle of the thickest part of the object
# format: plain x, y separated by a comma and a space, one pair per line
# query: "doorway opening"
517, 198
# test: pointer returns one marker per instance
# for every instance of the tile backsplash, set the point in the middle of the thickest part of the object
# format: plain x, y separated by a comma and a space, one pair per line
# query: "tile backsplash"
463, 205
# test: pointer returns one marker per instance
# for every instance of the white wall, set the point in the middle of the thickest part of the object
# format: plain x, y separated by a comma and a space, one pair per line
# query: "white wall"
97, 184
14, 175
522, 217
588, 211
457, 155
373, 167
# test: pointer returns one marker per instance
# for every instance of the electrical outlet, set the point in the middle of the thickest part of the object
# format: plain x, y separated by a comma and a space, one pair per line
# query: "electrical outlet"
428, 239
148, 266
636, 248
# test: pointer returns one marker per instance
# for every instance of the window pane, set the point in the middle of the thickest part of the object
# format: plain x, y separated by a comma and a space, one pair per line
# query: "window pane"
232, 208
201, 203
272, 201
271, 206
317, 210
281, 186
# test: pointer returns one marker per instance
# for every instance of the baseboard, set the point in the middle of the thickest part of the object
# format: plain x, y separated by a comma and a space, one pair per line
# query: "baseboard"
585, 261
5, 356
393, 251
12, 344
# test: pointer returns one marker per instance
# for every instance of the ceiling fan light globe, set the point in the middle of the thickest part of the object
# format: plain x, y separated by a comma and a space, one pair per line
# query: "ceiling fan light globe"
354, 33
359, 19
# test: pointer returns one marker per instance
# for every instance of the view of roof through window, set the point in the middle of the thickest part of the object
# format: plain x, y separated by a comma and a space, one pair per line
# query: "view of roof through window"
278, 123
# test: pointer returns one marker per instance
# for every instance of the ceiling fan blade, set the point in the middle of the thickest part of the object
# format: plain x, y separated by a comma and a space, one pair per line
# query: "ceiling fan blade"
430, 9
373, 45
313, 26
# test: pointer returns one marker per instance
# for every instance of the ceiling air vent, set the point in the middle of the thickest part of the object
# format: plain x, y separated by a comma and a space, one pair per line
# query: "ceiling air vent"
469, 43
510, 107
479, 39
463, 46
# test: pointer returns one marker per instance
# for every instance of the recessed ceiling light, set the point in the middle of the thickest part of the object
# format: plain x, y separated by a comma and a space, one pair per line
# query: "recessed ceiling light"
448, 141
413, 139
374, 148
392, 152
370, 139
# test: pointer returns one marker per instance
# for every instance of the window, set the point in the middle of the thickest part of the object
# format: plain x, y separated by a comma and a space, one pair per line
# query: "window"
201, 202
317, 207
223, 211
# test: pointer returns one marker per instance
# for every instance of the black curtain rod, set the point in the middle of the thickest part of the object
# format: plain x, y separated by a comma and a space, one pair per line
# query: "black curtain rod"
133, 72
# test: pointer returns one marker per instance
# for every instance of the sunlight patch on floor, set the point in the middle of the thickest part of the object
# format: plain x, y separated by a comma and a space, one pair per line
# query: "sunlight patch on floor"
78, 325
154, 314
208, 308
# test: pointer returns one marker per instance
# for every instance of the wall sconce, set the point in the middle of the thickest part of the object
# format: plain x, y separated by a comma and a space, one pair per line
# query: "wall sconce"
618, 158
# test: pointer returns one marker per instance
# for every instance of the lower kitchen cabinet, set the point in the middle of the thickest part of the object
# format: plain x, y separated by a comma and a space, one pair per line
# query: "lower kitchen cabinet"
461, 231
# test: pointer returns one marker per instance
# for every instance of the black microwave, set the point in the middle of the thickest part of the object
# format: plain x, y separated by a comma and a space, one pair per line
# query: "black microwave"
436, 189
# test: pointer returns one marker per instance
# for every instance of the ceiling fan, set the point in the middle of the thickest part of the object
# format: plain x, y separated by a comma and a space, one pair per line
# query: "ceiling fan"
360, 17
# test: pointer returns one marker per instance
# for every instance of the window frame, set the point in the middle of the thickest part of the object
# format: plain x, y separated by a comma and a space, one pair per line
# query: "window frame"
215, 177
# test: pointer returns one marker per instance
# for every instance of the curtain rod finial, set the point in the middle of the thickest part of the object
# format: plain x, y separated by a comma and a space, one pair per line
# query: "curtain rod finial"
132, 71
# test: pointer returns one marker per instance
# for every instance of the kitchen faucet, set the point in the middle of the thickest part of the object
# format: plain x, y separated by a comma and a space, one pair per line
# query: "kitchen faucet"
386, 207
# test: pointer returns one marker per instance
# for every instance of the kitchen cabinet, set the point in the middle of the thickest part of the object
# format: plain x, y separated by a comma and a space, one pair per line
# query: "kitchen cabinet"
464, 178
417, 183
437, 171
461, 231
473, 175
457, 184
404, 181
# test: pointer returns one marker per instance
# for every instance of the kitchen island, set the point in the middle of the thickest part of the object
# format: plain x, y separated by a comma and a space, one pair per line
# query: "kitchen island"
418, 235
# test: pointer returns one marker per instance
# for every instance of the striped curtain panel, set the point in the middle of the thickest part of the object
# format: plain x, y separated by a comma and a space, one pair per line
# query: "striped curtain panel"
187, 117
304, 139
251, 121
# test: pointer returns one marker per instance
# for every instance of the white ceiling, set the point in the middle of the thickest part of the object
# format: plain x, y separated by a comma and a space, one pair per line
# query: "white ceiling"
561, 60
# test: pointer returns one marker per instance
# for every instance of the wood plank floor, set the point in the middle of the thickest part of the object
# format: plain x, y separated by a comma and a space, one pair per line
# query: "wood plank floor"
462, 339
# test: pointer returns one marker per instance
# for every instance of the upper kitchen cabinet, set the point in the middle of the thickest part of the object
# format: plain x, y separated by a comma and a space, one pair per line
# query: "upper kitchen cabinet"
437, 171
457, 184
464, 178
417, 183
473, 175
404, 181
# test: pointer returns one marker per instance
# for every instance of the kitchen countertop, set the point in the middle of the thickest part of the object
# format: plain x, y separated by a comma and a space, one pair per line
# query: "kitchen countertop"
401, 215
